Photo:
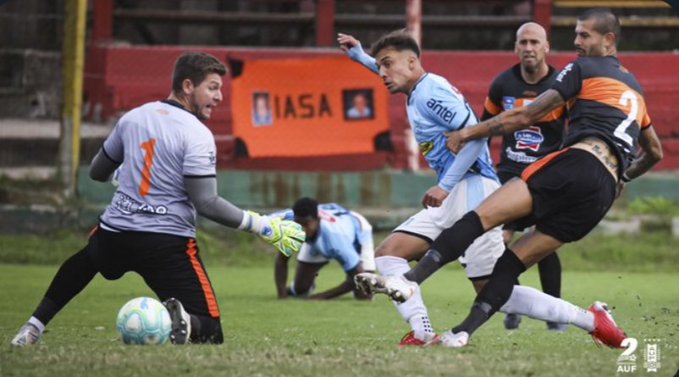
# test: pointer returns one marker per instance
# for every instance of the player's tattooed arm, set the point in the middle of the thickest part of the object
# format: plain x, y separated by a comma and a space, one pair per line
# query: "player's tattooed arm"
544, 104
508, 121
516, 119
493, 126
496, 126
523, 117
650, 143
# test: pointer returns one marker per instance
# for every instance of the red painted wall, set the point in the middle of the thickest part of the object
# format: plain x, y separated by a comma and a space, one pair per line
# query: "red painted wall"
120, 78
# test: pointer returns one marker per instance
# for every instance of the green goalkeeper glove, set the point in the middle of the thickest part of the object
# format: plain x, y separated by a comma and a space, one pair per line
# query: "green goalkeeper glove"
285, 235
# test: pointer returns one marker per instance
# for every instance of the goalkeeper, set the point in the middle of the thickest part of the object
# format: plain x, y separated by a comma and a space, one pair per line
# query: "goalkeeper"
169, 174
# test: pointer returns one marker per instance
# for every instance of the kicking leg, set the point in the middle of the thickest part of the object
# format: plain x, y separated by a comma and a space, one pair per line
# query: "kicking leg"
538, 305
510, 202
530, 248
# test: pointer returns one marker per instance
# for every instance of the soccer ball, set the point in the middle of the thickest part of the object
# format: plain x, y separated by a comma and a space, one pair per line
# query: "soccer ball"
144, 320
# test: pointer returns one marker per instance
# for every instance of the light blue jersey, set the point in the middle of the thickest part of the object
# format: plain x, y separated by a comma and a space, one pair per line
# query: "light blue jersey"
435, 107
339, 237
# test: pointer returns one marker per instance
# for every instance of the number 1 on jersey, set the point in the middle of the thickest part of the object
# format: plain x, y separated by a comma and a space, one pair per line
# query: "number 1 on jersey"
149, 148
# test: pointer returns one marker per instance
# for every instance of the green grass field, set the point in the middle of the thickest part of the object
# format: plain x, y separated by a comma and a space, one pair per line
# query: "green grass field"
268, 337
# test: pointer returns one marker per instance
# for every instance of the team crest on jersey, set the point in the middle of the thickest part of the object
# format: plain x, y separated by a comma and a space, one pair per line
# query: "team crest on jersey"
426, 147
530, 138
508, 103
212, 157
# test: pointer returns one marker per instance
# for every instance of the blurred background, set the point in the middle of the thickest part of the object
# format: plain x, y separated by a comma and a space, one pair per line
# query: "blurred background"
70, 68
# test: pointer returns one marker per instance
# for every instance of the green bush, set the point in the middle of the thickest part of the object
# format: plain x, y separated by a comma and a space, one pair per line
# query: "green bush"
653, 205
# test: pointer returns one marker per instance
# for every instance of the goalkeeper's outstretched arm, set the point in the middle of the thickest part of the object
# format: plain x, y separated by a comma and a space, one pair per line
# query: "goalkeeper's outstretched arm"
286, 236
203, 194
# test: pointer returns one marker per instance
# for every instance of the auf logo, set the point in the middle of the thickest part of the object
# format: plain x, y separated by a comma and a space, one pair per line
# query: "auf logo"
530, 138
626, 368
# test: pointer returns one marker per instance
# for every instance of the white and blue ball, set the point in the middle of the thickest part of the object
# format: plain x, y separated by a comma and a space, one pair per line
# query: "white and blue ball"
144, 320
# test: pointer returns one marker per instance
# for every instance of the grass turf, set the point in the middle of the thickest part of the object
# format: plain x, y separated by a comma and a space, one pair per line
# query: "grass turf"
268, 337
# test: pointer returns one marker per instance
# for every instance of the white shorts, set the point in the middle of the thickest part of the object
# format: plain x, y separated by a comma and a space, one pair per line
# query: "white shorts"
367, 255
480, 257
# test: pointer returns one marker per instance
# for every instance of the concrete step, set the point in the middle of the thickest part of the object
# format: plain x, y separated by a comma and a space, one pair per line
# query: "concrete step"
35, 142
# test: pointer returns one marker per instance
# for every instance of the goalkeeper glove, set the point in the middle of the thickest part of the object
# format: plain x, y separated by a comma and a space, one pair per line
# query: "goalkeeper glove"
285, 235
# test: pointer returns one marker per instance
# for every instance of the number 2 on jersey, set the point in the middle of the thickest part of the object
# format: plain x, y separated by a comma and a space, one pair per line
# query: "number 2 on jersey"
628, 98
149, 148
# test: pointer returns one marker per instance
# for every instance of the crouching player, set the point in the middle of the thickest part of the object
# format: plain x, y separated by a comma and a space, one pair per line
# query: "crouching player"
332, 233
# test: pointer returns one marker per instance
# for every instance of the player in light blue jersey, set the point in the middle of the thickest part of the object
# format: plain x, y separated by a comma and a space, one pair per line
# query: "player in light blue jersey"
333, 233
434, 107
465, 179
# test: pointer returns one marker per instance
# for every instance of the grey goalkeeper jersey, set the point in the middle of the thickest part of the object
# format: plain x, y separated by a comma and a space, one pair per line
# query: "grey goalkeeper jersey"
158, 144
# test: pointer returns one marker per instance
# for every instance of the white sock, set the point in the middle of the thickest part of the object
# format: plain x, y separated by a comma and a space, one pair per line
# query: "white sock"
421, 326
391, 266
539, 305
37, 323
413, 311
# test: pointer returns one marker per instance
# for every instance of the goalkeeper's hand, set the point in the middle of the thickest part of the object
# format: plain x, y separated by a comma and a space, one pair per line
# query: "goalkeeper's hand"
285, 235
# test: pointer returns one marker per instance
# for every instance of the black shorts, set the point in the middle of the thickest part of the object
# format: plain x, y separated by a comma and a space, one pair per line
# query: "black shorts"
505, 177
571, 190
170, 265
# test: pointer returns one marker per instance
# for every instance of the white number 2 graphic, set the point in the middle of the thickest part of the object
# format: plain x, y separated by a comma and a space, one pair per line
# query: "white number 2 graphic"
628, 98
628, 354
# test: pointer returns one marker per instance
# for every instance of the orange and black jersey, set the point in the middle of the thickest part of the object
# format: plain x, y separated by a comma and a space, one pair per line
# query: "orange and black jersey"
604, 100
523, 147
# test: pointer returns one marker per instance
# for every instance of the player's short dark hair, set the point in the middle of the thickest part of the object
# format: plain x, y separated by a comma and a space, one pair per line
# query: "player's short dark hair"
195, 66
399, 40
305, 207
605, 21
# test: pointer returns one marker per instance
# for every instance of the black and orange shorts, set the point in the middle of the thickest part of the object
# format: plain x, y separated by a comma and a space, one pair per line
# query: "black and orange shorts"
571, 190
505, 177
170, 265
